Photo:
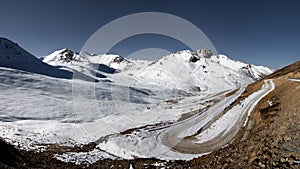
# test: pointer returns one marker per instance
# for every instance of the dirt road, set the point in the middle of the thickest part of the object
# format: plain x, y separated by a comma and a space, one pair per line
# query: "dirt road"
182, 137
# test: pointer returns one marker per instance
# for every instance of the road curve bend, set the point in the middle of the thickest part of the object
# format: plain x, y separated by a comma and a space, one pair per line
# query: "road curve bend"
213, 133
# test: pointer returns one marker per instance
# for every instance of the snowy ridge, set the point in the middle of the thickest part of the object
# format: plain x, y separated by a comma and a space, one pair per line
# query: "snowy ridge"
13, 56
199, 70
217, 73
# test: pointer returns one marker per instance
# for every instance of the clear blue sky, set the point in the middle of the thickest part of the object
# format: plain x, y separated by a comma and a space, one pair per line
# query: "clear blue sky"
265, 32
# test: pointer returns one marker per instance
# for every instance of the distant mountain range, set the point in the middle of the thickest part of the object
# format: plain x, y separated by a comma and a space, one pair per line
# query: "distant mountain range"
187, 70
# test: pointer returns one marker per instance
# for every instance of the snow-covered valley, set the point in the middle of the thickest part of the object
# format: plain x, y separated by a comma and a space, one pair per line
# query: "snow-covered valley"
129, 108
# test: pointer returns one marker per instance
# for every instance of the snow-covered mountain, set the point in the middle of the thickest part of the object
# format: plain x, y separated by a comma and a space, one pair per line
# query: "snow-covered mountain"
13, 56
193, 71
187, 70
67, 59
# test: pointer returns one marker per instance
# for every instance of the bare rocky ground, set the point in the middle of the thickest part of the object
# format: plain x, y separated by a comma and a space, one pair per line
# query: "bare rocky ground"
271, 138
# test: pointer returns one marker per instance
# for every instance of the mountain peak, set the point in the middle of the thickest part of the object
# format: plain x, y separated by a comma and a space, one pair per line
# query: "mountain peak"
63, 56
203, 53
194, 55
67, 55
13, 56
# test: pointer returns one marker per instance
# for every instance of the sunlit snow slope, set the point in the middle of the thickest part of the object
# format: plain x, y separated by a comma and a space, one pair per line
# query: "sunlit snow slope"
187, 70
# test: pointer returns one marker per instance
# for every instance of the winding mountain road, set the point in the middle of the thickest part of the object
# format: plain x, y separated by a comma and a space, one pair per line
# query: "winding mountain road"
219, 129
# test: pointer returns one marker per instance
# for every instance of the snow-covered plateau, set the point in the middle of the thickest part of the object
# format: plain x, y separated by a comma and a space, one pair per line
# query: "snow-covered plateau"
129, 108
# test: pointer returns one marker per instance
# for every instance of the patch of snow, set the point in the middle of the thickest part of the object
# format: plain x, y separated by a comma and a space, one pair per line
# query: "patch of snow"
84, 157
295, 79
270, 102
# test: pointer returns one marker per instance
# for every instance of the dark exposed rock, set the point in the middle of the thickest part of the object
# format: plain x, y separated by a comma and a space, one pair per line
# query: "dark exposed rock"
193, 59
